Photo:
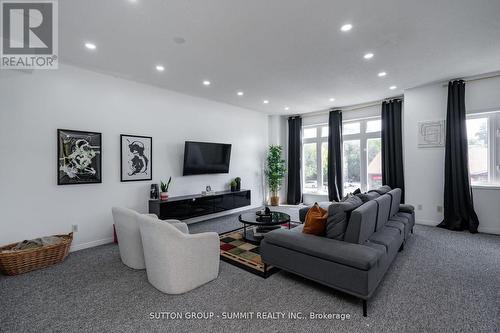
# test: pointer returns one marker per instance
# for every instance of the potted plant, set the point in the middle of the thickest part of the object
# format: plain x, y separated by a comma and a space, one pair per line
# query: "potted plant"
233, 185
238, 183
164, 189
275, 172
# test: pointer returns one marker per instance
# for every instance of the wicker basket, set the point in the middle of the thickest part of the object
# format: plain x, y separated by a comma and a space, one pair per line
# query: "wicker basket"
22, 261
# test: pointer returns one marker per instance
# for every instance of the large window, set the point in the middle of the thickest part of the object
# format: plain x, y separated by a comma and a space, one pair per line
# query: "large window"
315, 159
362, 154
483, 136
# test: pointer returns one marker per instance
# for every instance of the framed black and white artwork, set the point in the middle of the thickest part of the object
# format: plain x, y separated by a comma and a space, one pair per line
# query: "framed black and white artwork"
79, 157
136, 158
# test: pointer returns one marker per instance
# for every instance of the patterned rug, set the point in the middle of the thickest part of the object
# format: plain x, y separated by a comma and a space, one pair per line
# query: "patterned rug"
236, 251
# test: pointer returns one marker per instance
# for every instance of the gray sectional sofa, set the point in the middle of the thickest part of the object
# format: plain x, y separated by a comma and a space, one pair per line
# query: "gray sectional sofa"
364, 235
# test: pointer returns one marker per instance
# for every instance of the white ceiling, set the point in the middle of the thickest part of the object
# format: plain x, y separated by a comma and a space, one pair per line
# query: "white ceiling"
290, 52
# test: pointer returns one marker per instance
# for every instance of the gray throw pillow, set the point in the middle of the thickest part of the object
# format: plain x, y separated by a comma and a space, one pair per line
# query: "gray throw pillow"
336, 223
338, 217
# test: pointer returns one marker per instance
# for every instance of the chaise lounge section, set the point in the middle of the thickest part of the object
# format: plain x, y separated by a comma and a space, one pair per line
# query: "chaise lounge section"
362, 241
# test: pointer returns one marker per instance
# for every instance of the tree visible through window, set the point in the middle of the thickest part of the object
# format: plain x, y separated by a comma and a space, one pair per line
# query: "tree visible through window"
315, 159
362, 155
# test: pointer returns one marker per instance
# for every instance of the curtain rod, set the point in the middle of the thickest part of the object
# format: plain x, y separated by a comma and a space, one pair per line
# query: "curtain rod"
475, 78
350, 108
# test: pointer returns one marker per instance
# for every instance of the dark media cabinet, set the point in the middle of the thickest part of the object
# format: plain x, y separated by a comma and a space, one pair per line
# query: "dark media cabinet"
188, 206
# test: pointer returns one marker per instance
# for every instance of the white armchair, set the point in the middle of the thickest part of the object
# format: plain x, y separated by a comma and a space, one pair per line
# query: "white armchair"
129, 236
177, 262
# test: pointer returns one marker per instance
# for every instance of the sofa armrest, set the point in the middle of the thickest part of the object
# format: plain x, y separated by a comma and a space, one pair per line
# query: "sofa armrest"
354, 255
405, 208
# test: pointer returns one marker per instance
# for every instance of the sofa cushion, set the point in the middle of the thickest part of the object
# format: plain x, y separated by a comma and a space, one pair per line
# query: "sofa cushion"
365, 197
338, 217
361, 223
336, 223
396, 224
384, 208
382, 189
315, 223
389, 237
396, 200
353, 255
403, 220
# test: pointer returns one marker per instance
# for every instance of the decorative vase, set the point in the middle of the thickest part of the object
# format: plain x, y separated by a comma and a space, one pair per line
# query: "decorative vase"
164, 196
238, 185
233, 188
275, 200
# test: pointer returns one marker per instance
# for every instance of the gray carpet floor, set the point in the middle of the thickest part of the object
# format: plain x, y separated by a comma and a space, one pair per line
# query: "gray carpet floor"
443, 281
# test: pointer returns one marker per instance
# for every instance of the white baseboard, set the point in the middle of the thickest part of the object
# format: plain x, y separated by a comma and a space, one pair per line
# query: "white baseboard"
493, 231
427, 222
483, 230
82, 246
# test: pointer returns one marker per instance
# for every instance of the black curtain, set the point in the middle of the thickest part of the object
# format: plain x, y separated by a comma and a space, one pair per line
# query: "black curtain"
459, 211
294, 188
392, 145
335, 186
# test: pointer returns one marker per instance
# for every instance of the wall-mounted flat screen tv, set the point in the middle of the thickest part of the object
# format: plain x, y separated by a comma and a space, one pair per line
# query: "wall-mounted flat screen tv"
206, 157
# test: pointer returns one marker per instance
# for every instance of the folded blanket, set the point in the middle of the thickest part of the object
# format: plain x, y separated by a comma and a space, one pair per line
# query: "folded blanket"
37, 242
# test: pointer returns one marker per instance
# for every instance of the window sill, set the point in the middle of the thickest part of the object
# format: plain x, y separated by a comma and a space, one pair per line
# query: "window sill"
486, 187
323, 194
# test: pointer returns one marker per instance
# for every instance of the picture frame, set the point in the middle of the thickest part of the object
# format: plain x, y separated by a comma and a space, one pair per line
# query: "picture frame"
79, 157
431, 134
136, 158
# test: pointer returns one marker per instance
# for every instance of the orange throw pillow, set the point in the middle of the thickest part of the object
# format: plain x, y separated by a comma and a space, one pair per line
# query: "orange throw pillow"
315, 221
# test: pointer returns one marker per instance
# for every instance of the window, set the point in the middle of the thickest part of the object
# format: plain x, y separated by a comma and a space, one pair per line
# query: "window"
315, 159
483, 137
362, 154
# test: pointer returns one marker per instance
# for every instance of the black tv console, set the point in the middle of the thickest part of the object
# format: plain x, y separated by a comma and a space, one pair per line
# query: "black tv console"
188, 206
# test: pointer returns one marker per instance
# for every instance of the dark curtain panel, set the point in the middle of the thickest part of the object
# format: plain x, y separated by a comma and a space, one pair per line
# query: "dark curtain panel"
294, 189
335, 186
392, 146
459, 211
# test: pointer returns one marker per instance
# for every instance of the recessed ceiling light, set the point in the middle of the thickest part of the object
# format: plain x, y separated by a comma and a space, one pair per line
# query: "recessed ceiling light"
368, 56
286, 108
392, 87
346, 27
332, 99
240, 93
90, 46
206, 83
179, 40
265, 101
160, 68
382, 74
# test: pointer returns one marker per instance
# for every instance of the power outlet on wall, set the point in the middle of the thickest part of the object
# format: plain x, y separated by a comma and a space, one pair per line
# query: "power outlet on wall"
74, 228
440, 209
419, 207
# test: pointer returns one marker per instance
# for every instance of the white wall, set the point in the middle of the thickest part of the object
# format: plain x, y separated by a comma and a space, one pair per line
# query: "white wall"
424, 168
33, 106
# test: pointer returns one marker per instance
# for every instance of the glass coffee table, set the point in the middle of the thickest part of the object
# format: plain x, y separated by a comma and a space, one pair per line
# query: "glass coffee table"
262, 225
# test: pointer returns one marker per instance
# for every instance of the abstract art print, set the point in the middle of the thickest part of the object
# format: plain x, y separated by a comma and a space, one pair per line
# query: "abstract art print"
431, 134
136, 158
79, 157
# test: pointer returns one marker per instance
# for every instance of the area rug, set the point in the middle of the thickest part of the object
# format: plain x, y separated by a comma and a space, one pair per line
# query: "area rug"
236, 251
